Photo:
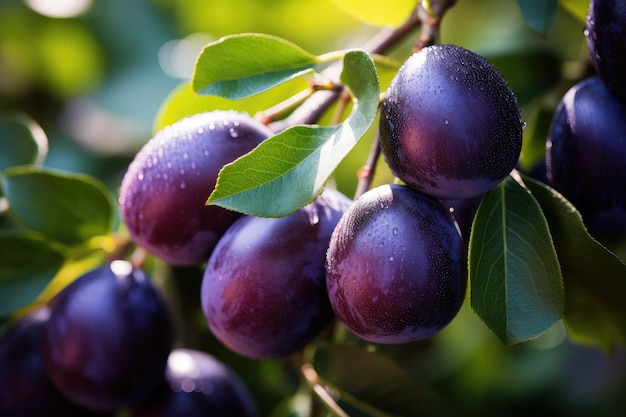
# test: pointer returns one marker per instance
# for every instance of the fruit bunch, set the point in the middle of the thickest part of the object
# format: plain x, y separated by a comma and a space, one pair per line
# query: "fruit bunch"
289, 264
104, 344
586, 147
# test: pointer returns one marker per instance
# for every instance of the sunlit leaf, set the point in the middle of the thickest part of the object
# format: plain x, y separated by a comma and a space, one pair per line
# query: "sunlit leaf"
69, 208
539, 14
22, 141
369, 383
578, 8
27, 264
515, 281
594, 278
242, 65
379, 13
289, 170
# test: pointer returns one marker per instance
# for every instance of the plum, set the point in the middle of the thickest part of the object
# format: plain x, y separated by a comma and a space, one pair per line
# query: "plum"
606, 39
108, 337
450, 125
197, 384
396, 269
26, 389
264, 290
586, 155
164, 191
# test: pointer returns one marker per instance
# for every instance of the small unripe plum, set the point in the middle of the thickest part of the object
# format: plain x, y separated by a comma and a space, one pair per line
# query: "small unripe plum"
25, 387
108, 338
606, 39
586, 155
450, 125
164, 191
196, 385
264, 290
396, 268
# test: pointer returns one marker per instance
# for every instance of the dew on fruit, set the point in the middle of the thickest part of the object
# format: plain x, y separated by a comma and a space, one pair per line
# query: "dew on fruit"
200, 130
182, 185
395, 231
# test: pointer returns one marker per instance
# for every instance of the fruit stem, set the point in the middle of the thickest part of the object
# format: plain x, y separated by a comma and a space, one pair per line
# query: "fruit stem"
366, 172
313, 107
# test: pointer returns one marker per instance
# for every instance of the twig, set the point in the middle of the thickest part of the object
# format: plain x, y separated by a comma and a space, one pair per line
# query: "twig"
366, 172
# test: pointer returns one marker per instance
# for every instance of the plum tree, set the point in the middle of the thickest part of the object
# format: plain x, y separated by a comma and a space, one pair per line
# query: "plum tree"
586, 155
108, 338
606, 39
197, 384
163, 192
396, 266
264, 291
450, 125
26, 387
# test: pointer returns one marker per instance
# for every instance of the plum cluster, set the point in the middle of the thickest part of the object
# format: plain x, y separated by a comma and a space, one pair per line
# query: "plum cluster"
105, 343
390, 266
451, 130
586, 145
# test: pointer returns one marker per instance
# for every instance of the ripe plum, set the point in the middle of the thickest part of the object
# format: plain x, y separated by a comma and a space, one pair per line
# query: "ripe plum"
450, 125
197, 384
606, 39
396, 268
164, 191
108, 338
264, 290
586, 155
26, 389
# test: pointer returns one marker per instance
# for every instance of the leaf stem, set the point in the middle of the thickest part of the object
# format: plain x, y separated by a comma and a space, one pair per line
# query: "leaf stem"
313, 380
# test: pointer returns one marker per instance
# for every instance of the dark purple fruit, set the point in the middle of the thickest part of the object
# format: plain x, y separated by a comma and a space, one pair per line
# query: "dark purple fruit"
198, 385
606, 39
264, 291
586, 155
450, 126
25, 387
396, 268
163, 194
108, 338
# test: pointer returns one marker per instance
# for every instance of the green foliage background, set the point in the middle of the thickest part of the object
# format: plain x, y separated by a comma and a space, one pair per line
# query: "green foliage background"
101, 83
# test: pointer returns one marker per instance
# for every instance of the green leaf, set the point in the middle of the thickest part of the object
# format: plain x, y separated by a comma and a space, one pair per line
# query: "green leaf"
515, 281
69, 208
27, 264
594, 278
368, 383
22, 141
539, 14
290, 169
379, 13
242, 65
578, 8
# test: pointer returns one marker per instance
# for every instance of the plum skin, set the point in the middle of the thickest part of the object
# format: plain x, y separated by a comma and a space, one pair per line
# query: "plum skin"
586, 155
606, 39
108, 338
263, 290
450, 125
26, 387
197, 384
164, 191
396, 270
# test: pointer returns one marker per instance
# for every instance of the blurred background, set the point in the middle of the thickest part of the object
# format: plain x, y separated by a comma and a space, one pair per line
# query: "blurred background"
96, 76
